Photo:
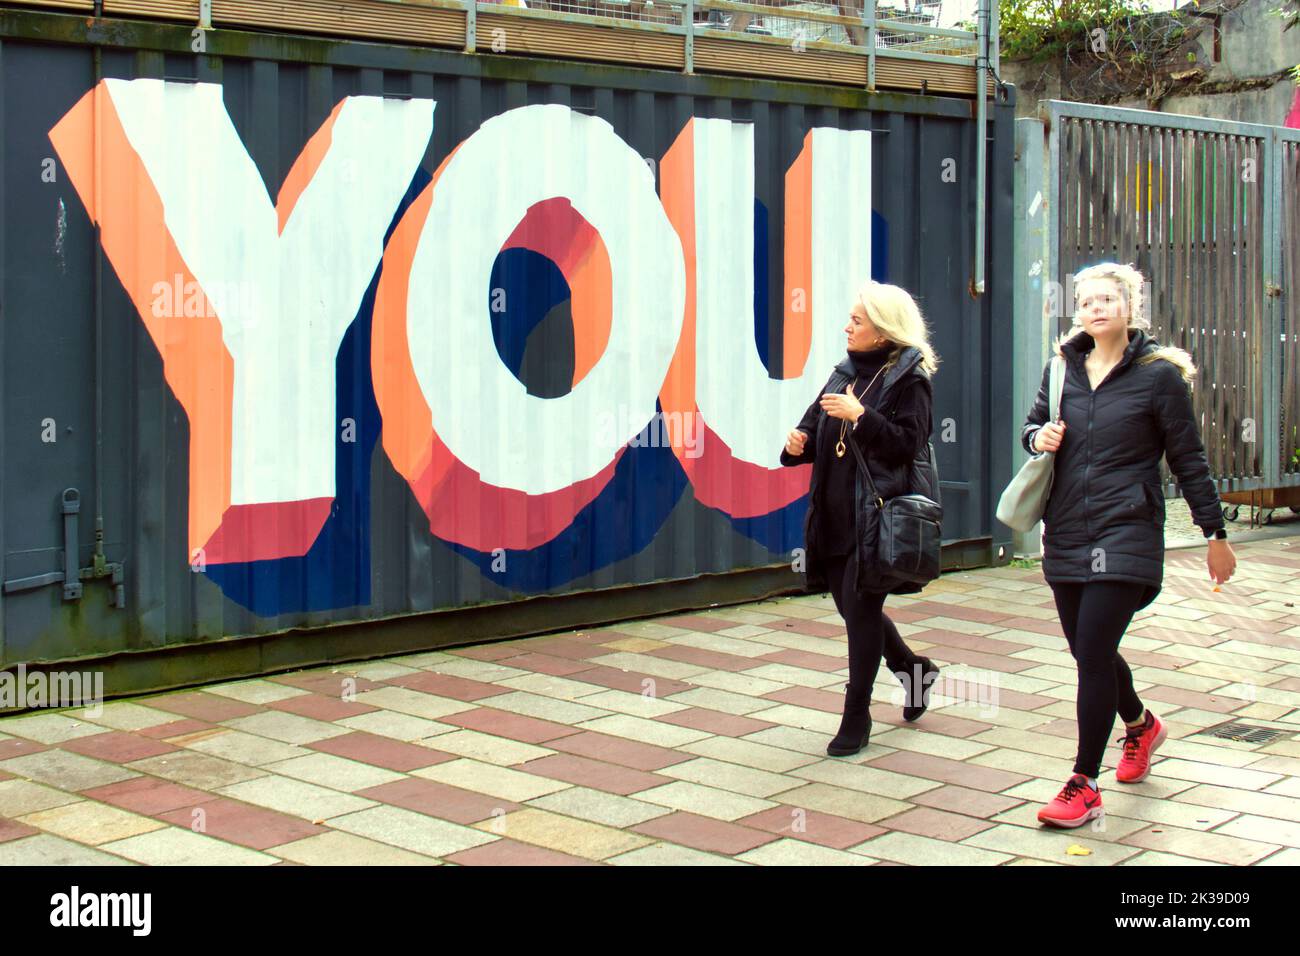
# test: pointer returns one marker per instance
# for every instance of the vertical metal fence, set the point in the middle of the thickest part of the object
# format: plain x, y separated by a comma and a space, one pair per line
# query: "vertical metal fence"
1207, 210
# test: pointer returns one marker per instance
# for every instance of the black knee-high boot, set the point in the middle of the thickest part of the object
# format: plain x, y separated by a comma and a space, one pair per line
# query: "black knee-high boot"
855, 726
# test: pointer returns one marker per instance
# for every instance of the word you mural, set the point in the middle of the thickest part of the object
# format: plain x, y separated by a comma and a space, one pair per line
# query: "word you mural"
373, 301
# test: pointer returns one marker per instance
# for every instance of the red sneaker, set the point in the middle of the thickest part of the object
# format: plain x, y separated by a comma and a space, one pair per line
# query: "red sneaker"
1075, 805
1139, 745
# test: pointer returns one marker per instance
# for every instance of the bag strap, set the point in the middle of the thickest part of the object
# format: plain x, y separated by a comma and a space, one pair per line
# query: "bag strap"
857, 453
1056, 387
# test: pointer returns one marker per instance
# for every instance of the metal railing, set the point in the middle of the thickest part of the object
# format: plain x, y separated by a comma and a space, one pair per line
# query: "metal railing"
905, 28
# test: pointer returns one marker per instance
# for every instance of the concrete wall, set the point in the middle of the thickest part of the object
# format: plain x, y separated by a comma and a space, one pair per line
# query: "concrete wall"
1247, 84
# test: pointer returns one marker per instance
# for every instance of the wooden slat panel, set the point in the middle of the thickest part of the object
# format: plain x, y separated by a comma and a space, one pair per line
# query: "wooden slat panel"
580, 41
59, 4
1217, 319
1105, 190
352, 18
1068, 229
187, 10
1087, 193
1290, 280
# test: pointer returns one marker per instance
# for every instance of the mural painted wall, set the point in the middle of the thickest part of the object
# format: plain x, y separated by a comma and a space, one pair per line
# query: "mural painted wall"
562, 334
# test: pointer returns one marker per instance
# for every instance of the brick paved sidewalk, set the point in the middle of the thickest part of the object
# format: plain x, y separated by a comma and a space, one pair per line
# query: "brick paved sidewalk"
694, 739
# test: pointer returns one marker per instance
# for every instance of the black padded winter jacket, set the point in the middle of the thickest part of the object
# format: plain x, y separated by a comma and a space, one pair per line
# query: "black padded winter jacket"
1106, 514
894, 438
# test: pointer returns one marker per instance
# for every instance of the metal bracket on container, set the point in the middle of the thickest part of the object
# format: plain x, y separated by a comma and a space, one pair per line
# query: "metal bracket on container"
71, 577
471, 26
205, 14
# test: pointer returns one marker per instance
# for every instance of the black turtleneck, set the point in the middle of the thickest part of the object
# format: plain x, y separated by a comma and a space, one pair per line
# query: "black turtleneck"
837, 484
892, 434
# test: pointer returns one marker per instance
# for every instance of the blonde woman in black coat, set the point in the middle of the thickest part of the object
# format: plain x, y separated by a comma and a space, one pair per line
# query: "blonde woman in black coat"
880, 397
1126, 403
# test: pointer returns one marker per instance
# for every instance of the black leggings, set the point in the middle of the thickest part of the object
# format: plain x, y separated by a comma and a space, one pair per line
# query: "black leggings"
871, 634
1094, 617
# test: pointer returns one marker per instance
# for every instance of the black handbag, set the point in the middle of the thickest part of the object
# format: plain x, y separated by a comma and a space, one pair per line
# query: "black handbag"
910, 526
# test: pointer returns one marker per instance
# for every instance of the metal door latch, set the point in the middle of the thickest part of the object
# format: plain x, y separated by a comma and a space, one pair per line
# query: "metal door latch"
71, 576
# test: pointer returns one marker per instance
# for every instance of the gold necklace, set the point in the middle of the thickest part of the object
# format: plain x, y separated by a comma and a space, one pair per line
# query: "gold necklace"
844, 422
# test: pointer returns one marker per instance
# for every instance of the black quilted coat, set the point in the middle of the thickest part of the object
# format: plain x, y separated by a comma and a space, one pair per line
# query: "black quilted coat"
894, 435
1106, 514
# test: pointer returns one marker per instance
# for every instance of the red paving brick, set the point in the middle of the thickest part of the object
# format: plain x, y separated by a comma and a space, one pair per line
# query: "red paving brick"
439, 800
445, 685
963, 800
17, 747
381, 751
175, 728
328, 684
828, 701
704, 833
945, 723
1251, 637
695, 622
547, 664
1188, 637
1051, 628
486, 652
149, 795
824, 829
807, 659
936, 824
714, 722
948, 771
632, 682
802, 626
202, 706
563, 647
596, 774
988, 662
500, 723
511, 853
960, 613
715, 660
1191, 698
249, 826
976, 691
321, 707
628, 753
13, 830
1246, 623
973, 642
1165, 662
117, 747
905, 615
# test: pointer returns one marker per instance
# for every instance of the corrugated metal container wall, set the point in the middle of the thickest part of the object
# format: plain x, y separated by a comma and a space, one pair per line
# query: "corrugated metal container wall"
334, 332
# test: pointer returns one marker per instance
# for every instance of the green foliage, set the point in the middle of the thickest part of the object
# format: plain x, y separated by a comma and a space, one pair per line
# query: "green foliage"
1289, 11
1043, 29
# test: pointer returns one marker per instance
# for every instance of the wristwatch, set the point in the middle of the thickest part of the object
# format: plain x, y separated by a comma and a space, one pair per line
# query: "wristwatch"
1218, 534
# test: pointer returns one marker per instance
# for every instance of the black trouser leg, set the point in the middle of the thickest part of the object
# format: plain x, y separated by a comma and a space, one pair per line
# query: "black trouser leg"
1094, 617
871, 634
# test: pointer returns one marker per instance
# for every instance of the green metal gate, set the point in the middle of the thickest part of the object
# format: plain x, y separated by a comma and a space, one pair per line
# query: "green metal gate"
1209, 211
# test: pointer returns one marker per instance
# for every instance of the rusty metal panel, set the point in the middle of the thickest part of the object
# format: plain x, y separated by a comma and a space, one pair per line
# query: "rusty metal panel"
325, 332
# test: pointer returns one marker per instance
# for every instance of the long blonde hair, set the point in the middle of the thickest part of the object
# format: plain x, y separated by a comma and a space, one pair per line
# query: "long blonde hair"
897, 317
1131, 284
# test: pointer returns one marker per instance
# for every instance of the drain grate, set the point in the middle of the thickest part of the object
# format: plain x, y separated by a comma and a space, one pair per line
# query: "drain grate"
1244, 733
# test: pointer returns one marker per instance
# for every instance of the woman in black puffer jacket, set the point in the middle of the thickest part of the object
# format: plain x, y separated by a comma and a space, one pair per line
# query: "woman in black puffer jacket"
879, 397
1126, 402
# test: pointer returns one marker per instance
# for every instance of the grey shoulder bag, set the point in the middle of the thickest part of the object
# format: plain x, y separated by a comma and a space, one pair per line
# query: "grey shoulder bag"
1023, 502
